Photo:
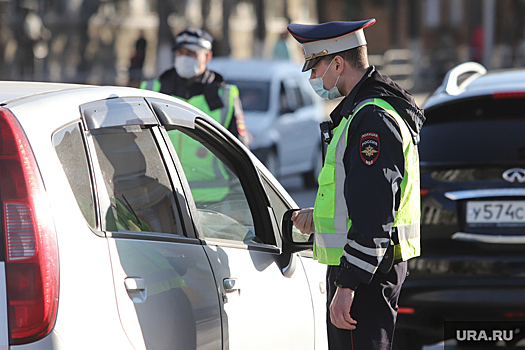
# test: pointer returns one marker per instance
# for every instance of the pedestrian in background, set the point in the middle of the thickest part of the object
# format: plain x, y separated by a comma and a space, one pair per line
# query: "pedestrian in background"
367, 211
191, 81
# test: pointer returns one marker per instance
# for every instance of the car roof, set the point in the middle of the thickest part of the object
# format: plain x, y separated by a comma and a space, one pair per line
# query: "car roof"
31, 96
253, 69
14, 90
479, 83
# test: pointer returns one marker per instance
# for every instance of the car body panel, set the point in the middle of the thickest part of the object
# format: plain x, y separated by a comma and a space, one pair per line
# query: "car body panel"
316, 275
259, 302
492, 82
98, 268
179, 304
4, 335
72, 231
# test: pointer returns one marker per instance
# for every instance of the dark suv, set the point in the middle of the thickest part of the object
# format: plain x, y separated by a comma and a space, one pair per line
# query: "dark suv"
472, 151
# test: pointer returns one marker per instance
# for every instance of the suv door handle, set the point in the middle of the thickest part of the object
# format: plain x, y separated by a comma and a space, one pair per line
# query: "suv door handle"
136, 288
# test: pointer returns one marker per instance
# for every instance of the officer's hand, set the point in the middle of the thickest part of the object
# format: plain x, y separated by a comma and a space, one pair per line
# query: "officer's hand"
303, 220
340, 309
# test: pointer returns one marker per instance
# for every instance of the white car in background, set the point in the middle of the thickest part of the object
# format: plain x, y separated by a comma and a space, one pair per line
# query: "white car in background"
106, 243
282, 113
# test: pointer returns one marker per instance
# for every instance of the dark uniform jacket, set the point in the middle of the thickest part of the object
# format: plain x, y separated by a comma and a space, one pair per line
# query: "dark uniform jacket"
206, 84
372, 192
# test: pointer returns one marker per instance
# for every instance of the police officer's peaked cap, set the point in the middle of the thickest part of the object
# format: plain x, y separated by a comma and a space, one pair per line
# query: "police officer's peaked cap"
193, 39
319, 40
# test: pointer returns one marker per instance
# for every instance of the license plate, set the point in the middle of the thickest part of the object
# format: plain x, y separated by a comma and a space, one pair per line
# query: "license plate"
499, 213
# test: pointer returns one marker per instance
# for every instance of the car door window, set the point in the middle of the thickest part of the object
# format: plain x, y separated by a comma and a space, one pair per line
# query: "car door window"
135, 178
305, 92
71, 151
285, 105
219, 195
254, 95
293, 94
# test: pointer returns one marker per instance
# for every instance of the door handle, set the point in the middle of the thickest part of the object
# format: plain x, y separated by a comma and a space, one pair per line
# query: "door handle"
136, 288
231, 285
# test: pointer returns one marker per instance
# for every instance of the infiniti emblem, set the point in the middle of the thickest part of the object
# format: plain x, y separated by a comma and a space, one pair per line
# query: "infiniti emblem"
514, 174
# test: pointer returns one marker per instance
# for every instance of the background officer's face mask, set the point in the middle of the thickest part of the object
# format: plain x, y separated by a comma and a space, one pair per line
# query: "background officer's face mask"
318, 86
186, 66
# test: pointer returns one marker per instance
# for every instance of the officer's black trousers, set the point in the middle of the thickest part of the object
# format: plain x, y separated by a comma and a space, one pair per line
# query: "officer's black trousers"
374, 308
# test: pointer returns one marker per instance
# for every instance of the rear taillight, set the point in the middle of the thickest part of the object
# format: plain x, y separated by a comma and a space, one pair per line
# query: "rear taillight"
405, 310
424, 192
31, 252
514, 315
508, 95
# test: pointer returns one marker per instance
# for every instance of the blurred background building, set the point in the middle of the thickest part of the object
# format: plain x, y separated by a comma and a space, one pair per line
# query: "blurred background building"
124, 41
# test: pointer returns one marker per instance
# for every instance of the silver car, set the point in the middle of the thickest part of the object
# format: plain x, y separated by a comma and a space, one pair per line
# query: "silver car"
131, 220
282, 113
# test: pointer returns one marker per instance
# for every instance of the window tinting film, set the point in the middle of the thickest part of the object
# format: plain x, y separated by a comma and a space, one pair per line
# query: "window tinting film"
70, 149
136, 181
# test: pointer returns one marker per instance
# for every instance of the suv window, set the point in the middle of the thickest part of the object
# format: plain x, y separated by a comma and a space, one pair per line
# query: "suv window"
475, 130
216, 188
291, 95
254, 95
70, 148
140, 193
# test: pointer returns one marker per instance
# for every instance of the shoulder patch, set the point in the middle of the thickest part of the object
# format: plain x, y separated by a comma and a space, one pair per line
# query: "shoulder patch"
369, 147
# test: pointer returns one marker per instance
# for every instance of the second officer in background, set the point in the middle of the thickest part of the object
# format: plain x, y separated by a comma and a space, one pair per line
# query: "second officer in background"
191, 81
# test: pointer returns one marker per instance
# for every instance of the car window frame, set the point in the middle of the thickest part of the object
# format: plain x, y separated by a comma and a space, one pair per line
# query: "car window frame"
78, 122
260, 205
149, 121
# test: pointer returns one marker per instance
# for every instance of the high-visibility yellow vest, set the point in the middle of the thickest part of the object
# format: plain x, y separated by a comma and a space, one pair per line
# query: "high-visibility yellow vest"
332, 223
207, 177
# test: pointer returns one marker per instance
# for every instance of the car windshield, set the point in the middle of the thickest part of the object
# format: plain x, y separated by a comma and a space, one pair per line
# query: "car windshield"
478, 130
255, 95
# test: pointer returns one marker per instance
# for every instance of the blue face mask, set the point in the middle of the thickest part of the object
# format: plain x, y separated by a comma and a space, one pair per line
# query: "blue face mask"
318, 86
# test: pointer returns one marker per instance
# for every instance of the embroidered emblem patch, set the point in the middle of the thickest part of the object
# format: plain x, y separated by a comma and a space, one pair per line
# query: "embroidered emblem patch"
369, 147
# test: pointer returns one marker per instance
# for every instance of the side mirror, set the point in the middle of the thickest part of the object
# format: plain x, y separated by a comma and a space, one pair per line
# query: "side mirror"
293, 239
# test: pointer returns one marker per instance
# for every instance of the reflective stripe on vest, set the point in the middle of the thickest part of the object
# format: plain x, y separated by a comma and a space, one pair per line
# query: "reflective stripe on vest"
331, 213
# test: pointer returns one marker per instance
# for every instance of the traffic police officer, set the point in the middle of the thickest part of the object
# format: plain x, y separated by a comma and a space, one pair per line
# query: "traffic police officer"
191, 81
367, 211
